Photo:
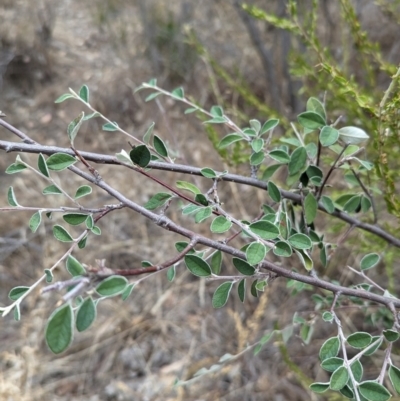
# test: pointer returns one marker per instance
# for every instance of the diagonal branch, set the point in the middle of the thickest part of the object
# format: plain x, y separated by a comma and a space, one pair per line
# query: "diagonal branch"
179, 168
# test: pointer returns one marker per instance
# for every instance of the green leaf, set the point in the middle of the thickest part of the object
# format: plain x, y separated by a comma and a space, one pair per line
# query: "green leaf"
243, 267
83, 191
319, 387
35, 221
159, 146
197, 266
86, 314
112, 286
282, 248
216, 262
200, 198
253, 289
256, 125
140, 155
300, 241
51, 190
359, 340
171, 273
157, 200
152, 96
92, 115
255, 253
311, 120
365, 204
339, 378
313, 104
329, 349
229, 139
64, 97
84, 93
220, 225
188, 186
17, 292
42, 166
74, 267
374, 391
273, 192
203, 214
190, 209
12, 200
242, 290
269, 125
279, 155
191, 110
357, 369
49, 275
60, 329
217, 111
15, 168
298, 161
369, 261
269, 171
95, 230
75, 218
257, 158
305, 259
147, 135
82, 242
178, 93
127, 291
61, 234
257, 145
327, 317
221, 294
353, 135
60, 161
391, 335
74, 126
394, 375
377, 340
264, 229
331, 364
353, 204
310, 208
328, 136
328, 204
208, 172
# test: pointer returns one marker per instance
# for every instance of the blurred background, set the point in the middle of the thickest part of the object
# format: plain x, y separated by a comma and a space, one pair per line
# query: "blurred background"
254, 68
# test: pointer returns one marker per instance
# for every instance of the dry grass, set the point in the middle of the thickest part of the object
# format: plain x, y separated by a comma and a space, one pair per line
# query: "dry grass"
164, 331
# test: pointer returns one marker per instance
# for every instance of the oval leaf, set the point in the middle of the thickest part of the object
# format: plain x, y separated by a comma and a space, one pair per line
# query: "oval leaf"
59, 329
112, 286
75, 218
369, 261
86, 314
60, 161
311, 120
221, 294
61, 234
310, 208
17, 292
197, 266
220, 225
297, 160
274, 192
255, 253
243, 267
374, 391
140, 155
300, 241
353, 135
159, 146
157, 200
328, 136
74, 267
264, 229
